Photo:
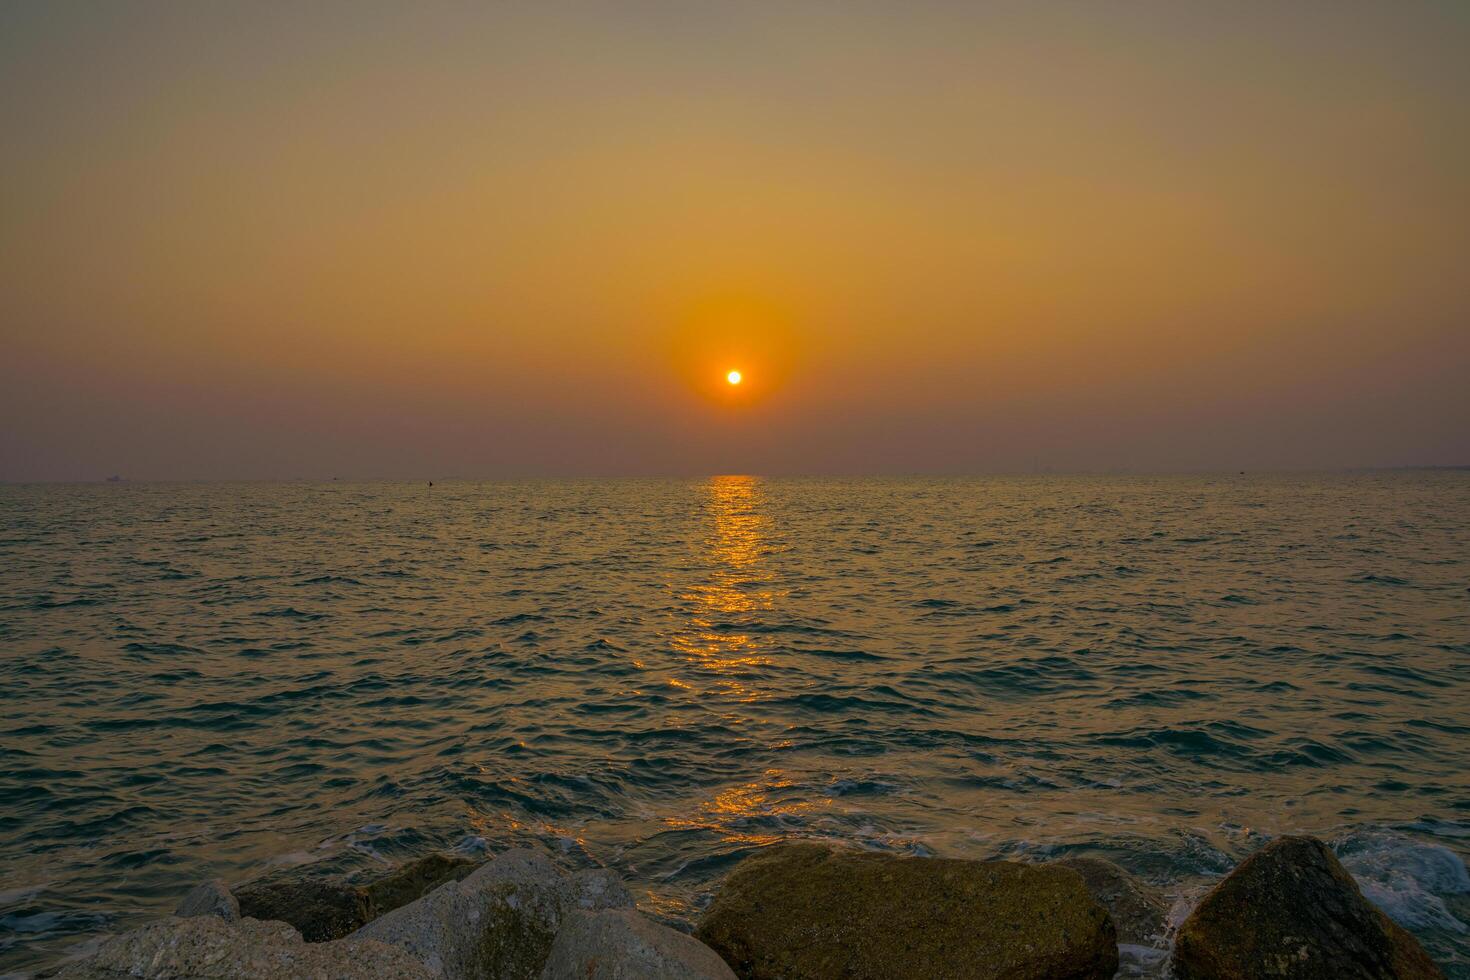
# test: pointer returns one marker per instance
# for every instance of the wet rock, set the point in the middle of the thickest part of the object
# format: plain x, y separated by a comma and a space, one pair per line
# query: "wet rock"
414, 880
1290, 910
1139, 913
623, 944
498, 922
205, 947
804, 911
320, 909
209, 898
327, 908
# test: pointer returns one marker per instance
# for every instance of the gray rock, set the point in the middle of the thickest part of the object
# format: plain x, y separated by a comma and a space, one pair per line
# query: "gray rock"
1291, 910
623, 944
209, 898
1138, 912
205, 947
498, 922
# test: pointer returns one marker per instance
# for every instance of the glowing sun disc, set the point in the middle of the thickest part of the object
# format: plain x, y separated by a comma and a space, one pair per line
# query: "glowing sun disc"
733, 377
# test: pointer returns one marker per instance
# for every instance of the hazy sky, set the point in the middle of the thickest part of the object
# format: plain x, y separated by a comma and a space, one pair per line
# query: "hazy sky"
433, 240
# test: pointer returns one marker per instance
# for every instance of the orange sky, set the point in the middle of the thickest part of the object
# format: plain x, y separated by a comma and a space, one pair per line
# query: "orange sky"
480, 240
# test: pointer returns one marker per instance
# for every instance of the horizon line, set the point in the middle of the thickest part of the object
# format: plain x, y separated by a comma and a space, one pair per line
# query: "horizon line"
775, 475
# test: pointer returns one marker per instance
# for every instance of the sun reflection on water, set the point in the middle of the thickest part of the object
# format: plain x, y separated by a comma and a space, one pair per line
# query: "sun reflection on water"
722, 632
725, 636
755, 813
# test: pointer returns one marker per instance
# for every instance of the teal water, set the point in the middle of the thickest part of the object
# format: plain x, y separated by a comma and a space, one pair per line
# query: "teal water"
201, 680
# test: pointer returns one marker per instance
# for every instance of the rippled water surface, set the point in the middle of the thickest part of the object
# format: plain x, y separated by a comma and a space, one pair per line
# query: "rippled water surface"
660, 676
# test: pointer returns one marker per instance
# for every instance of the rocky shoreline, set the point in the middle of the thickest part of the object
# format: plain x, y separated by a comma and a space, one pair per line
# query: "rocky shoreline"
794, 911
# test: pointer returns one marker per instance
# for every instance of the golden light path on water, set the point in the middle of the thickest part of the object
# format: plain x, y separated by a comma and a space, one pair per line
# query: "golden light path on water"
740, 583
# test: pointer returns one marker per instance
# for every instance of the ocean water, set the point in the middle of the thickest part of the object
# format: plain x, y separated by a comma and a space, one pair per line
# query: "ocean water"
202, 680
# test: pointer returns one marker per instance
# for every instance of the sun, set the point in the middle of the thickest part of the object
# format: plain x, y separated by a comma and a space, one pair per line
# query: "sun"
734, 377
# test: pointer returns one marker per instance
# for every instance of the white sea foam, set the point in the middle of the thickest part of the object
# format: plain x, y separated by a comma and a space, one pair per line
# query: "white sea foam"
1140, 961
1407, 878
292, 859
1182, 902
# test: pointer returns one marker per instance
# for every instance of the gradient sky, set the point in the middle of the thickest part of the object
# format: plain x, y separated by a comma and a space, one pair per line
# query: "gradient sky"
276, 240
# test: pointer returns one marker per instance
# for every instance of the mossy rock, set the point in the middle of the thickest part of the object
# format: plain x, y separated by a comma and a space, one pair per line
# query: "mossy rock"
1290, 910
414, 880
798, 911
515, 939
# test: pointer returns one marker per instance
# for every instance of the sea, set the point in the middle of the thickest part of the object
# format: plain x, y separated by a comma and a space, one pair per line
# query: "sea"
662, 676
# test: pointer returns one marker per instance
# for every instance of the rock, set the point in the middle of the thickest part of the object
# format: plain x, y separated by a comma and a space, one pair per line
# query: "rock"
205, 947
498, 922
209, 898
414, 880
623, 944
320, 909
800, 910
1290, 910
1139, 913
327, 908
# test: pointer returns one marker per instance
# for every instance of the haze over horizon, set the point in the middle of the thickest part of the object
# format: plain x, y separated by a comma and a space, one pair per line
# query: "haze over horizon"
271, 242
